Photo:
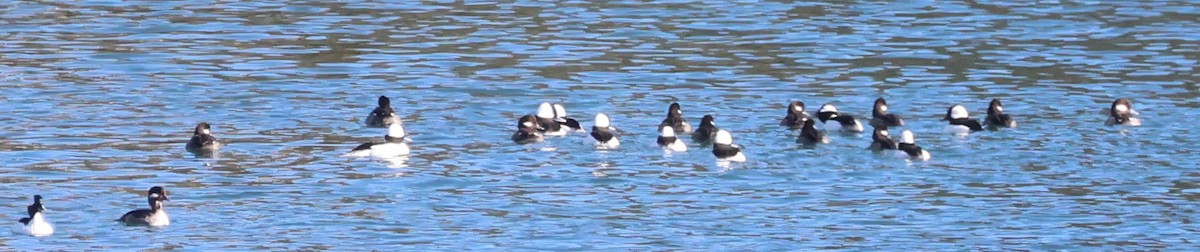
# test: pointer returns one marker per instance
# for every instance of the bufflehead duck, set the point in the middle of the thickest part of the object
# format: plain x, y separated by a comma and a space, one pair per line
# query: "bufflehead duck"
809, 133
1121, 113
881, 117
724, 148
675, 120
382, 116
546, 119
528, 130
35, 224
602, 133
202, 139
668, 141
881, 141
393, 145
910, 148
795, 116
996, 117
155, 216
842, 122
707, 130
560, 116
960, 121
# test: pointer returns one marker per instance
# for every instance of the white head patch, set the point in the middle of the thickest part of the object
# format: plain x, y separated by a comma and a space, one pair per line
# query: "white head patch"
545, 111
395, 130
602, 120
827, 108
527, 124
882, 108
154, 195
723, 137
906, 137
999, 109
883, 132
667, 131
559, 110
958, 112
205, 131
797, 108
1121, 108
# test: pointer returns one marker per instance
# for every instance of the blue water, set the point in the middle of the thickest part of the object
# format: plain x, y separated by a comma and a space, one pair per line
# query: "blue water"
99, 98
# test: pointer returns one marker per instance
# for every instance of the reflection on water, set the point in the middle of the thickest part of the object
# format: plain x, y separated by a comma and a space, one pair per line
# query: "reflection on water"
100, 97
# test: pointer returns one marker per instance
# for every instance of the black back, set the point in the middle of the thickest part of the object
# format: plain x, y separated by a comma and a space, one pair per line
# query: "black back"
707, 130
970, 123
32, 209
664, 141
674, 118
601, 134
809, 133
725, 150
549, 124
571, 123
911, 149
365, 146
880, 141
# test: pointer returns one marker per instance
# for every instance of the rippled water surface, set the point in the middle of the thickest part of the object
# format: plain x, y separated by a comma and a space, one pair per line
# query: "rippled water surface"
99, 98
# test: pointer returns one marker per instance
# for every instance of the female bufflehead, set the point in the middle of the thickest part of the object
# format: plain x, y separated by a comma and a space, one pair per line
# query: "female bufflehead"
910, 148
795, 116
393, 145
810, 135
668, 141
675, 120
528, 130
36, 224
881, 141
560, 116
1121, 113
960, 121
881, 117
724, 148
707, 130
997, 118
202, 139
155, 216
602, 133
842, 122
382, 116
546, 119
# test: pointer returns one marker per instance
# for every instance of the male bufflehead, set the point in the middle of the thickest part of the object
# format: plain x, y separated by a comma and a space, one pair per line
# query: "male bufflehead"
960, 122
393, 145
668, 141
35, 224
602, 133
910, 148
675, 120
155, 216
881, 141
528, 130
550, 126
724, 148
1121, 113
560, 116
809, 133
842, 122
707, 130
881, 117
382, 116
202, 139
795, 116
996, 117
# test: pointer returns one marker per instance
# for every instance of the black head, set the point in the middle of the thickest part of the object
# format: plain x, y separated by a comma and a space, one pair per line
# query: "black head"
707, 120
1121, 107
880, 107
155, 196
528, 122
674, 110
202, 129
809, 124
995, 107
37, 199
384, 101
796, 107
36, 207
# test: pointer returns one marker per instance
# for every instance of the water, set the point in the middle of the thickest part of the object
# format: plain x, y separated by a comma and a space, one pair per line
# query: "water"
100, 97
